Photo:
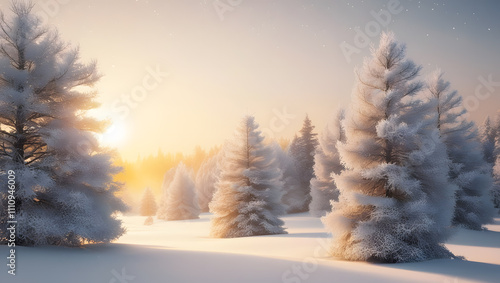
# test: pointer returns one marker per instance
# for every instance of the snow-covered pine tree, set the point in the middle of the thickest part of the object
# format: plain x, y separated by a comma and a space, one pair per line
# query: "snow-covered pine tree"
395, 201
206, 177
149, 221
181, 202
65, 194
490, 141
302, 149
294, 196
162, 207
496, 183
247, 200
148, 203
288, 168
489, 132
468, 170
326, 163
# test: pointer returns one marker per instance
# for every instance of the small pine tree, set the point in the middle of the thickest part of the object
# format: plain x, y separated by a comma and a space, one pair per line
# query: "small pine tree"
181, 203
490, 141
326, 163
162, 208
395, 201
148, 203
496, 185
246, 202
149, 221
488, 137
294, 196
206, 177
302, 149
288, 168
469, 171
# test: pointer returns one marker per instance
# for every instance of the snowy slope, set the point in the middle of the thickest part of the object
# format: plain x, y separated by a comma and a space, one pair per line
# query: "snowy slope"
181, 251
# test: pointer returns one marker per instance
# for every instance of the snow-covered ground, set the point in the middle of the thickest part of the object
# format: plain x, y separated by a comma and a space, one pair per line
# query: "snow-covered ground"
181, 251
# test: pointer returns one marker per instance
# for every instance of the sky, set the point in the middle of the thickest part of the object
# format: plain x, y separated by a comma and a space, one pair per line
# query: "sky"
178, 74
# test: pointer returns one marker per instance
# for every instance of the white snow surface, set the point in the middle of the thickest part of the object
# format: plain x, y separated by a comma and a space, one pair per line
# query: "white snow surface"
181, 251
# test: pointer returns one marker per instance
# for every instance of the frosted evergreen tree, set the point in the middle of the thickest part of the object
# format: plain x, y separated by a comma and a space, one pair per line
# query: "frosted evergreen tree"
148, 203
65, 194
247, 200
326, 163
469, 171
162, 207
288, 168
395, 201
496, 185
489, 133
206, 177
149, 221
302, 149
490, 140
295, 196
181, 202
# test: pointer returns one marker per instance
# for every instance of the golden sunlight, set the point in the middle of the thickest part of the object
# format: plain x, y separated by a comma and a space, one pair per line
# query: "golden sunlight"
114, 135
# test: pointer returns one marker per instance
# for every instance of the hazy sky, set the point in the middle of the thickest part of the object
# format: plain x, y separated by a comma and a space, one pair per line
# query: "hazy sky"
277, 60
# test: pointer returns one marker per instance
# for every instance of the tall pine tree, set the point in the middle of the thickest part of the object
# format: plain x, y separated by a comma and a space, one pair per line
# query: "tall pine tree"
469, 171
396, 201
326, 163
65, 194
302, 149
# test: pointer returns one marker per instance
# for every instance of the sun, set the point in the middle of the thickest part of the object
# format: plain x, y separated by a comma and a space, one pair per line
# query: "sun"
114, 135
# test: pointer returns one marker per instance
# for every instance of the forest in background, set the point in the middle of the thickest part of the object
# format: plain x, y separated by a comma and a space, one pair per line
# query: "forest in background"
149, 171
